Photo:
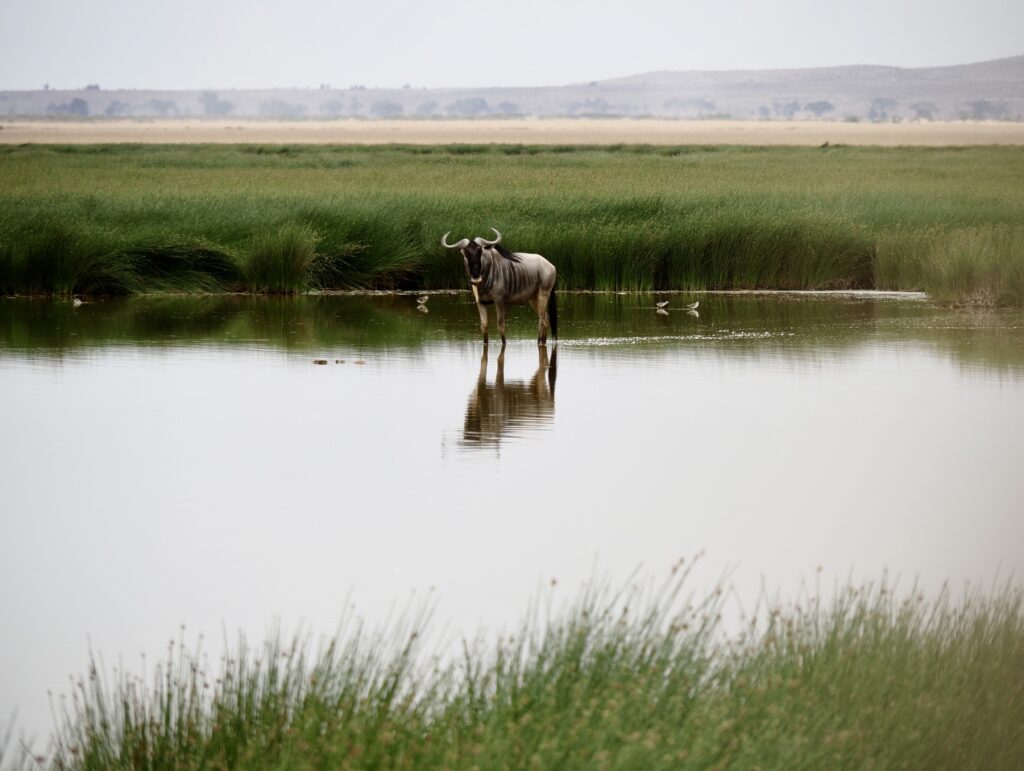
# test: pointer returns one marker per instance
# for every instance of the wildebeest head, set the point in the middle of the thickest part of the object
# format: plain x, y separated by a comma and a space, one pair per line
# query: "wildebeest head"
472, 253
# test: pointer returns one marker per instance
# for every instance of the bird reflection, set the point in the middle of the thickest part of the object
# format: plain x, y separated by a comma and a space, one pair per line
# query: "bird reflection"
509, 408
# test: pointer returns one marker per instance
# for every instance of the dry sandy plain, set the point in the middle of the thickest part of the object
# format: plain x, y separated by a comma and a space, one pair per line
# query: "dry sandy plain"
524, 131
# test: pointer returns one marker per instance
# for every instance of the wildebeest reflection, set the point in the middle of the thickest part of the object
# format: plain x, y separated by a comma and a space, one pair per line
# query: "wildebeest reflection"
510, 408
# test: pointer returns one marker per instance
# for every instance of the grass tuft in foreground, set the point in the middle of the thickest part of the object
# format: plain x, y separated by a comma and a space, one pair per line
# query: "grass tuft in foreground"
870, 680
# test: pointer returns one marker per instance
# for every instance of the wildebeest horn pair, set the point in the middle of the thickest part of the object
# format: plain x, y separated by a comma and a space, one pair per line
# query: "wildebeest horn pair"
465, 241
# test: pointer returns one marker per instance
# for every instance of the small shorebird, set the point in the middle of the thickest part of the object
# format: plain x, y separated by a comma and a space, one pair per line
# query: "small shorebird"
692, 306
662, 305
75, 302
422, 299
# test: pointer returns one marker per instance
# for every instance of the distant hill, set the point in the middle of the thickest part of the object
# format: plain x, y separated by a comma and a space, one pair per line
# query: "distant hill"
992, 90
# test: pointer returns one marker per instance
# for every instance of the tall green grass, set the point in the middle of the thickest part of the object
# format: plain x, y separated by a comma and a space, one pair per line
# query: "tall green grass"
278, 262
872, 678
243, 218
56, 259
981, 264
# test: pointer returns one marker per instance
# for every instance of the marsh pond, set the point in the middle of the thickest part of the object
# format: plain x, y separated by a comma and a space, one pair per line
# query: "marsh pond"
171, 461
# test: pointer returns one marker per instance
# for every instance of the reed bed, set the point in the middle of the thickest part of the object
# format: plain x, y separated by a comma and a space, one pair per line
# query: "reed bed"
279, 262
980, 265
133, 218
870, 678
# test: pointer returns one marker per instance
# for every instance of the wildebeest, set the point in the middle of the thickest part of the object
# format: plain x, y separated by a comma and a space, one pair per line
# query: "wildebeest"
502, 278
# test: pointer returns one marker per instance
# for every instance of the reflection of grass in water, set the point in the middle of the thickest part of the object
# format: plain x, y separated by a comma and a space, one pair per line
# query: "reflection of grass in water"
610, 218
807, 328
869, 680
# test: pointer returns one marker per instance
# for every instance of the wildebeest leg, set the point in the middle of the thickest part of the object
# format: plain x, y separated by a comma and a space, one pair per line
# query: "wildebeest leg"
536, 309
483, 320
541, 306
499, 312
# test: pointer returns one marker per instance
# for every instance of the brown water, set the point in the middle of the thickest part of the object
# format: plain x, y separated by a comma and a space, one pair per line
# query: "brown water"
182, 460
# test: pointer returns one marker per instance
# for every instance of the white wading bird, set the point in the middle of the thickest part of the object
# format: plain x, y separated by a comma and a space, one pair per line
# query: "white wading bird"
688, 307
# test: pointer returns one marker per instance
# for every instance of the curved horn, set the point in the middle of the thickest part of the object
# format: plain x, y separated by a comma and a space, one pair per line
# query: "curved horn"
457, 245
497, 240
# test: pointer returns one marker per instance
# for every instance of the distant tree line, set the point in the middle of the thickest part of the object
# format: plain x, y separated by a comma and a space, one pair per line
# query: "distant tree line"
78, 108
358, 101
278, 108
214, 105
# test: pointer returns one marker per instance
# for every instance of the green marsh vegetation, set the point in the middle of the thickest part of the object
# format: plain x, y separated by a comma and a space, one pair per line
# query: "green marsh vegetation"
135, 218
872, 677
980, 264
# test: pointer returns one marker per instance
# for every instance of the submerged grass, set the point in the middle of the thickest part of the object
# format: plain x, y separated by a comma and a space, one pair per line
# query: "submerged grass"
211, 218
870, 679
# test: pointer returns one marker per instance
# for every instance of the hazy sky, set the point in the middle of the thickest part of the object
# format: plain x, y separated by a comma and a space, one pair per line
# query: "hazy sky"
387, 43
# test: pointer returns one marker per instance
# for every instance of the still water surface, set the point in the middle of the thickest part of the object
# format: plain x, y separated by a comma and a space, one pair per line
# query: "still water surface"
182, 460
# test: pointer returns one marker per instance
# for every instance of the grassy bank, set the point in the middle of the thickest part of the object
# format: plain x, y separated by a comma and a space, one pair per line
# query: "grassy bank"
129, 218
868, 679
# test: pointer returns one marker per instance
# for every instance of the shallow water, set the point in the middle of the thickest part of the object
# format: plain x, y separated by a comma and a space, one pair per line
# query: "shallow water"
169, 461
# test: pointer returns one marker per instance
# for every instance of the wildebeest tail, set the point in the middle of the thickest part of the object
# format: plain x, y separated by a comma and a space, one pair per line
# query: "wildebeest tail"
553, 312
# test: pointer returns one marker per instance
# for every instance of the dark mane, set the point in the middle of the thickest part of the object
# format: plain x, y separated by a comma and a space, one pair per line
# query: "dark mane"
506, 253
